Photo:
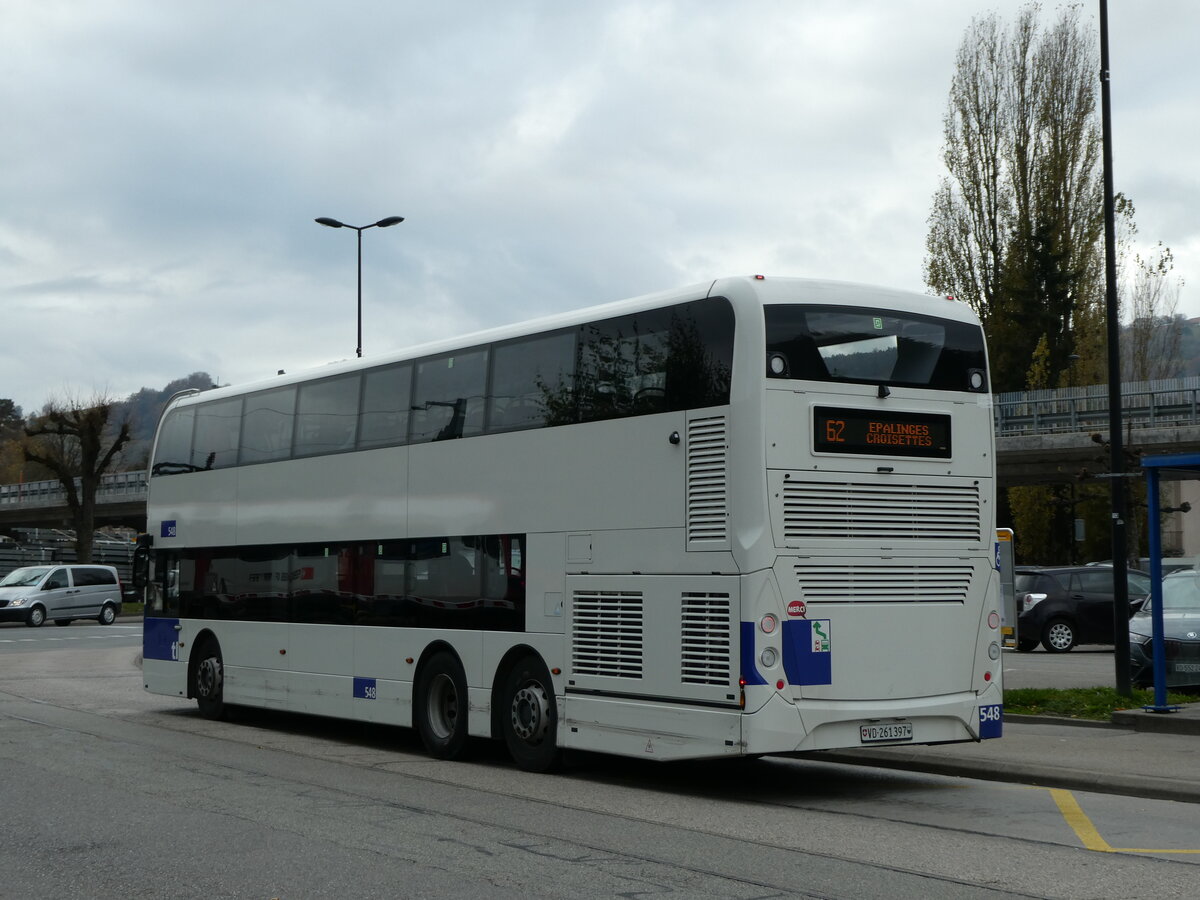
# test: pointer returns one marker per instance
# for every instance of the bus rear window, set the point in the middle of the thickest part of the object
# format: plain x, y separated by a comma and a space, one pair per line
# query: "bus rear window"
874, 346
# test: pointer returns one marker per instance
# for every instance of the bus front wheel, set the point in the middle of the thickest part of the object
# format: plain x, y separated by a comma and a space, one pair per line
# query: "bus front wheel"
209, 689
441, 706
530, 716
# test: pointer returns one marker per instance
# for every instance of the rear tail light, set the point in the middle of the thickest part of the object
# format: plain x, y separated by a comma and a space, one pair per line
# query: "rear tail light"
1032, 600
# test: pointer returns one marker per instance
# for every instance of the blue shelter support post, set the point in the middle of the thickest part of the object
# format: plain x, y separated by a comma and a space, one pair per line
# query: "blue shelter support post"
1177, 466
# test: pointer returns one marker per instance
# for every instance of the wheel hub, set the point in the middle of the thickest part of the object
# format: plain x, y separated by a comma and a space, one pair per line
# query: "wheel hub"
530, 713
208, 677
1060, 636
443, 706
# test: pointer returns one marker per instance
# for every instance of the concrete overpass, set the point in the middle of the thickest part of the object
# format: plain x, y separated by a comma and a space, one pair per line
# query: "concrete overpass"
1048, 437
120, 500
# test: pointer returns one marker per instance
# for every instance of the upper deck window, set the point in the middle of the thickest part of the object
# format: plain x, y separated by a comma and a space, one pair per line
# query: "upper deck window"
267, 425
448, 397
218, 425
386, 406
874, 346
668, 359
173, 453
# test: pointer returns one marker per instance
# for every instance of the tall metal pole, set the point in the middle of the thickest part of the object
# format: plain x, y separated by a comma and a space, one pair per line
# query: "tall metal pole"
358, 348
1116, 449
382, 223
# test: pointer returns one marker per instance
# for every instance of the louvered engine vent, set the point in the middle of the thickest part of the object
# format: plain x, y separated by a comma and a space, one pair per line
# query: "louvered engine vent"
706, 654
874, 511
884, 583
607, 634
707, 483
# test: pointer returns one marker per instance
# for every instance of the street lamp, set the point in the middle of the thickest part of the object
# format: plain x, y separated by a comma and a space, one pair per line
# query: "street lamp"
382, 223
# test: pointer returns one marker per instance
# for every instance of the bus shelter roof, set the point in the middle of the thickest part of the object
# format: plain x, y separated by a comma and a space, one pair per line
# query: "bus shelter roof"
1174, 466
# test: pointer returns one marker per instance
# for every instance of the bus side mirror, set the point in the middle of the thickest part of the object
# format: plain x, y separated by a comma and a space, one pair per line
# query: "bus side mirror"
141, 561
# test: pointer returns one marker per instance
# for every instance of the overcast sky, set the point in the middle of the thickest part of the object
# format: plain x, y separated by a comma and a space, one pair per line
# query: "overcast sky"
162, 164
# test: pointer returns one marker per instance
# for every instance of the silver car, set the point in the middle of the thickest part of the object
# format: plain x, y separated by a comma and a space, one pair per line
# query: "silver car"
33, 594
1181, 634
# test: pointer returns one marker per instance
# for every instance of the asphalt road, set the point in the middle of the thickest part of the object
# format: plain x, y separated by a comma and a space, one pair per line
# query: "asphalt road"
1082, 667
112, 792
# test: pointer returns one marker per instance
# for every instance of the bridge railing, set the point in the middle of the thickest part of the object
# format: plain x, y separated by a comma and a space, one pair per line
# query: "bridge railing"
1143, 405
116, 487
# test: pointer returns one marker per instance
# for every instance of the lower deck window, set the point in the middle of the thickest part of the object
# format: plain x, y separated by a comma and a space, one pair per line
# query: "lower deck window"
472, 582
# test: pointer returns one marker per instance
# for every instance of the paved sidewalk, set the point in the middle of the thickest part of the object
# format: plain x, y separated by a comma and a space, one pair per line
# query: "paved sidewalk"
1141, 754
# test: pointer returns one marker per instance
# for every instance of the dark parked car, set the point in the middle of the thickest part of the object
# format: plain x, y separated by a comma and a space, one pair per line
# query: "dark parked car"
1069, 605
1181, 634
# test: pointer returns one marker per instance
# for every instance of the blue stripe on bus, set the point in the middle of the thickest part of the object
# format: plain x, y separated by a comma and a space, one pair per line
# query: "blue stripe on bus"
808, 651
991, 721
159, 637
749, 669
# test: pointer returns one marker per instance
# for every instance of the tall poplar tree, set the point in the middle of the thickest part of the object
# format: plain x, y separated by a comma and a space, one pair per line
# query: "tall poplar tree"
1016, 226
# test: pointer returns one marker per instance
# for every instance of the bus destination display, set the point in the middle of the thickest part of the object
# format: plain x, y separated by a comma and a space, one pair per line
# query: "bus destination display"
880, 433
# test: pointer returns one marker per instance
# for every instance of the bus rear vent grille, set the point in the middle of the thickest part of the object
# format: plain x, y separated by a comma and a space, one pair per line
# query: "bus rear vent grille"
707, 487
881, 583
706, 649
607, 629
881, 512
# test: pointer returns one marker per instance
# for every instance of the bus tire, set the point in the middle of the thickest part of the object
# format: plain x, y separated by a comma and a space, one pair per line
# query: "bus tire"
441, 706
209, 680
36, 617
108, 615
529, 716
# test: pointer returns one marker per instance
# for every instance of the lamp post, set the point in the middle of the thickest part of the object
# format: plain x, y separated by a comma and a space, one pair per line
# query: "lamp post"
382, 223
1112, 313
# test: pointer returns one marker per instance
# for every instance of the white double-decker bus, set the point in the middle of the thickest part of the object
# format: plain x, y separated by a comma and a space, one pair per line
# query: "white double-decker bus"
750, 516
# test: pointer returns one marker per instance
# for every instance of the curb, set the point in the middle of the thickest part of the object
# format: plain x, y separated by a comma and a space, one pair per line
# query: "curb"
1186, 721
1018, 719
1145, 786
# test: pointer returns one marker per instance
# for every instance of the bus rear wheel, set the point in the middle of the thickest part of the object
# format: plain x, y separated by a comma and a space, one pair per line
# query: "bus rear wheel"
529, 716
209, 687
441, 706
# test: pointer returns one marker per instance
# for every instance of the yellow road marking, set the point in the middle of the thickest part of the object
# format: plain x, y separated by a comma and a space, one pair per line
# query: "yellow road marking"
1086, 831
1079, 822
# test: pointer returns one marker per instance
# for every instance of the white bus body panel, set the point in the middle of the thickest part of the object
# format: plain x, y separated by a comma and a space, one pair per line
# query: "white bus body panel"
677, 518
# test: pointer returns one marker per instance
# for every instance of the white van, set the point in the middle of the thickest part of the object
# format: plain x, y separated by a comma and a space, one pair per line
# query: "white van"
34, 594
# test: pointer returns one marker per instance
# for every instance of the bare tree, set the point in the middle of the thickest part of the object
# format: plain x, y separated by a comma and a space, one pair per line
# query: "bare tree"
77, 441
1151, 348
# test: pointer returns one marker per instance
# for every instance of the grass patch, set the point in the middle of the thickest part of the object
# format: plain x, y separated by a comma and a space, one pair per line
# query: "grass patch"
133, 609
1097, 703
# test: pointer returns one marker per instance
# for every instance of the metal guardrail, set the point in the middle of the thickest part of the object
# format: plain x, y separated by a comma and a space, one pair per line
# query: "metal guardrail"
116, 487
1153, 404
1142, 409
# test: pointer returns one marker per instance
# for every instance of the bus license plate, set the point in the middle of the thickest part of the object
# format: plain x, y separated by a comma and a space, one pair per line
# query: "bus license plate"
893, 731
